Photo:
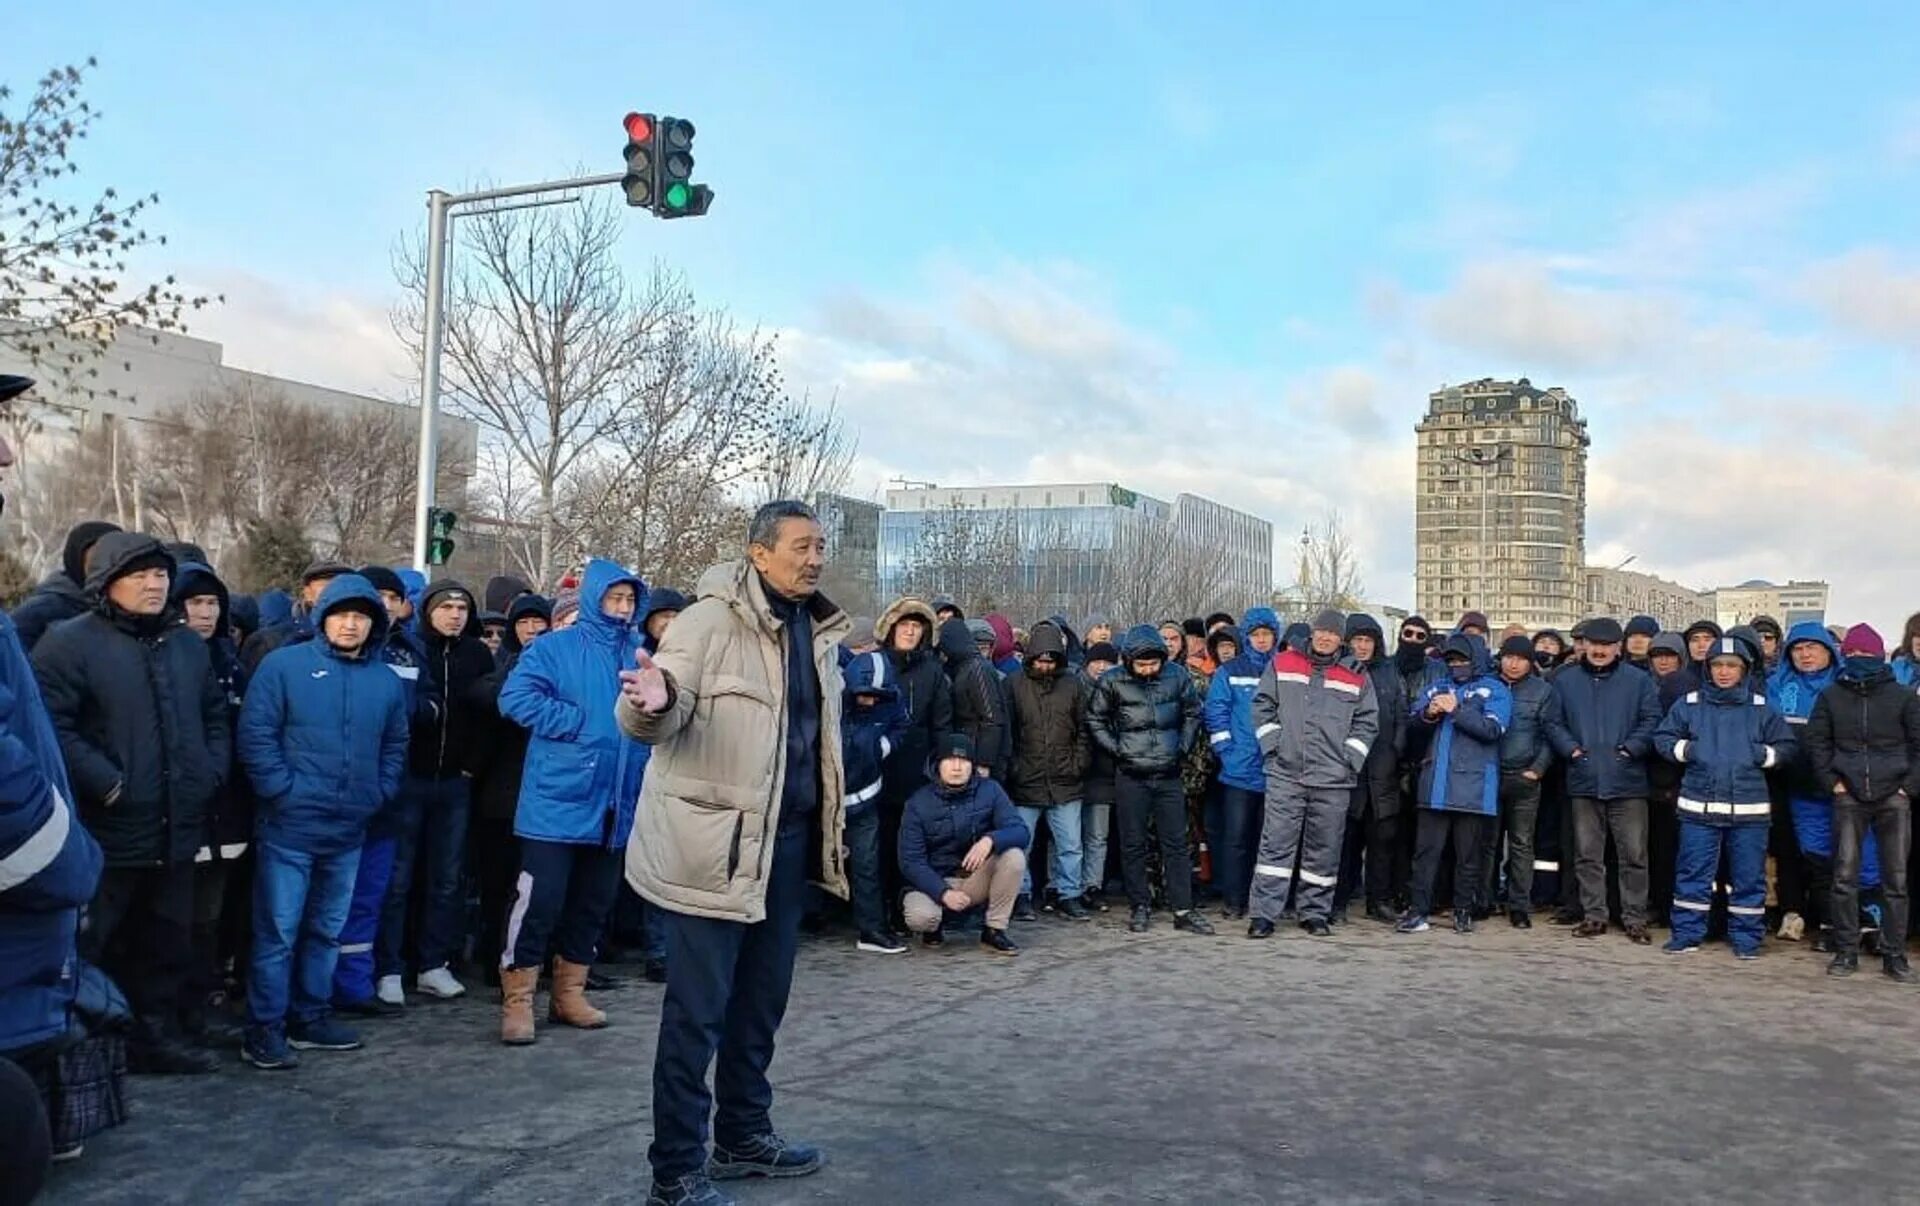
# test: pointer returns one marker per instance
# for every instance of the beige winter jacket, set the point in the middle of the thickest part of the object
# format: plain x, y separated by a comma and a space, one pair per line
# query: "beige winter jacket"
703, 838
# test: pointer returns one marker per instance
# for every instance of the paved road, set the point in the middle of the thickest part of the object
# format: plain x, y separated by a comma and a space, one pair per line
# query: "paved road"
1101, 1067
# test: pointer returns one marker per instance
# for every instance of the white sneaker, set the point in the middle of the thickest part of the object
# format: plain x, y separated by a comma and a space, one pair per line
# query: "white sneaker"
1793, 928
439, 983
389, 991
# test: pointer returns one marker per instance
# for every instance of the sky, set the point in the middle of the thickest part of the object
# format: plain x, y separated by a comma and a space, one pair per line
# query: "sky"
1227, 248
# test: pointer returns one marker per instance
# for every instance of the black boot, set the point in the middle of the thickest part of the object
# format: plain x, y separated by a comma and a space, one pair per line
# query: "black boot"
1845, 963
1141, 920
155, 1049
1193, 921
1896, 968
1381, 912
1259, 927
1520, 919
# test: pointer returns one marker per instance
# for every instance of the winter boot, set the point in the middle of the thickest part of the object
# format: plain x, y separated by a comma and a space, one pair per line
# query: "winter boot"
516, 1005
569, 1003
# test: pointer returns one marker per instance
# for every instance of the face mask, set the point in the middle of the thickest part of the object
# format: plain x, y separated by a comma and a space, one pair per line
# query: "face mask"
1544, 658
1460, 672
1861, 667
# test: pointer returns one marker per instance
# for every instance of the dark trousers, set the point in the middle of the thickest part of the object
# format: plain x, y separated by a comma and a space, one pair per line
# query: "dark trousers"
497, 856
1163, 804
207, 973
431, 843
1663, 852
1792, 881
1435, 828
1626, 820
1518, 823
727, 986
1891, 821
560, 903
1235, 837
139, 929
1372, 840
863, 870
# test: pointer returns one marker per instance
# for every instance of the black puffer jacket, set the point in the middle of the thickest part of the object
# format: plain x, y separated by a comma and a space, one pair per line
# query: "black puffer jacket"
447, 743
1865, 733
63, 595
141, 719
502, 756
1049, 714
978, 709
925, 695
1146, 725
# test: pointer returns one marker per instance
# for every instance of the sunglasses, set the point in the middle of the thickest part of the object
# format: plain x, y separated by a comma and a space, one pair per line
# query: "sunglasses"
1412, 634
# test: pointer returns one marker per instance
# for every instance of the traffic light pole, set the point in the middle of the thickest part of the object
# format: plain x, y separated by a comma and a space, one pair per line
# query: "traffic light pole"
440, 214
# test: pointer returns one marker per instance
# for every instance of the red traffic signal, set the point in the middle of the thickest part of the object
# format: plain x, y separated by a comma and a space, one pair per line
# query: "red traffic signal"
639, 127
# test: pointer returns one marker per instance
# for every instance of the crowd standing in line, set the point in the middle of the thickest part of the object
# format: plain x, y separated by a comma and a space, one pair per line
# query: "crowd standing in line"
321, 806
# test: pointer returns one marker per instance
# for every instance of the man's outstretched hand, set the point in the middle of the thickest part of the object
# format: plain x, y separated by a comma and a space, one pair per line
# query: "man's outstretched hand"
645, 688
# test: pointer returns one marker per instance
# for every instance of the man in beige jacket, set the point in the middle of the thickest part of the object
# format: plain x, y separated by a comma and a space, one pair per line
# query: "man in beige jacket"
740, 808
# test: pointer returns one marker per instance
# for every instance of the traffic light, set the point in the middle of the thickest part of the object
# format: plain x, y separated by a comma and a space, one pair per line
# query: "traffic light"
642, 164
678, 196
439, 535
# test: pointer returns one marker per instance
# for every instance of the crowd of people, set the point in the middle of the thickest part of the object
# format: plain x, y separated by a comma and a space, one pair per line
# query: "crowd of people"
280, 811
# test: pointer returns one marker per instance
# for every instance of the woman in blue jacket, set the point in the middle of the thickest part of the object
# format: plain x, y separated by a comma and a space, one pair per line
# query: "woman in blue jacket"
577, 798
1726, 738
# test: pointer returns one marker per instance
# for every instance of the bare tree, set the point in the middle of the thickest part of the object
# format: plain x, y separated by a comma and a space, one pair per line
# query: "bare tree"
543, 336
1330, 566
809, 451
64, 290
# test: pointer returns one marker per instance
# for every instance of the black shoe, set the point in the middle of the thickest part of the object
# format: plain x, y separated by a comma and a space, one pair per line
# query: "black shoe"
1095, 902
169, 1056
1520, 919
765, 1155
1141, 921
1463, 921
880, 944
1073, 910
597, 982
1895, 967
1023, 909
1845, 963
372, 1007
1823, 942
937, 936
1566, 917
656, 972
1316, 927
1193, 921
1381, 912
1338, 916
1259, 927
996, 942
691, 1190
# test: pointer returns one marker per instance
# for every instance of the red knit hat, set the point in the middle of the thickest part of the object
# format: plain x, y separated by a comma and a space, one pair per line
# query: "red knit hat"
1863, 641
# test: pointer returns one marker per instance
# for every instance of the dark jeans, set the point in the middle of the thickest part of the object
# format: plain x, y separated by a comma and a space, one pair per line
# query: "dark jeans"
727, 986
1792, 882
1891, 820
1663, 853
863, 869
1372, 841
299, 904
1435, 828
560, 902
431, 841
1162, 803
497, 856
1235, 837
1519, 818
1626, 820
139, 929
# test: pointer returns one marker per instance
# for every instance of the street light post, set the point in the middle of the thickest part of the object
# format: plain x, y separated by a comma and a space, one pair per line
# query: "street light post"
1486, 460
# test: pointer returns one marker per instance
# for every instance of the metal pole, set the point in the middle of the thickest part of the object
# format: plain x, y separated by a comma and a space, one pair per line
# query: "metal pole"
433, 332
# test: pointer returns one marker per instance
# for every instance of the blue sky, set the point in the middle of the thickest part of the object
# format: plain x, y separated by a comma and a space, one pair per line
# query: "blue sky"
1113, 240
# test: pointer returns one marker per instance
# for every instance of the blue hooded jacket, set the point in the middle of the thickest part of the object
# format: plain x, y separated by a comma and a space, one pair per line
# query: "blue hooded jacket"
1228, 711
1793, 695
868, 736
1726, 738
323, 736
582, 780
49, 863
1461, 772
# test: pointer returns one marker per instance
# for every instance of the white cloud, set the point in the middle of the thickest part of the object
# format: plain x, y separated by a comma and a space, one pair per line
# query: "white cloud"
340, 340
1866, 292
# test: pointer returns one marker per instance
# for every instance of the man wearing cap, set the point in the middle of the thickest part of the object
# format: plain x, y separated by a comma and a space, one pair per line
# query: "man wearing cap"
1316, 718
1602, 726
962, 844
143, 726
1864, 737
1725, 738
63, 594
298, 626
430, 822
1770, 637
1640, 633
1524, 759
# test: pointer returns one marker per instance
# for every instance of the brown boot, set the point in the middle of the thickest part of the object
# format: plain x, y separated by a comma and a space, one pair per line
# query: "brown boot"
516, 1004
569, 1002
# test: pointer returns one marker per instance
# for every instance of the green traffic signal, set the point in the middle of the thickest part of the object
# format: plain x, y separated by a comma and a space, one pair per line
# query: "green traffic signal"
678, 195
